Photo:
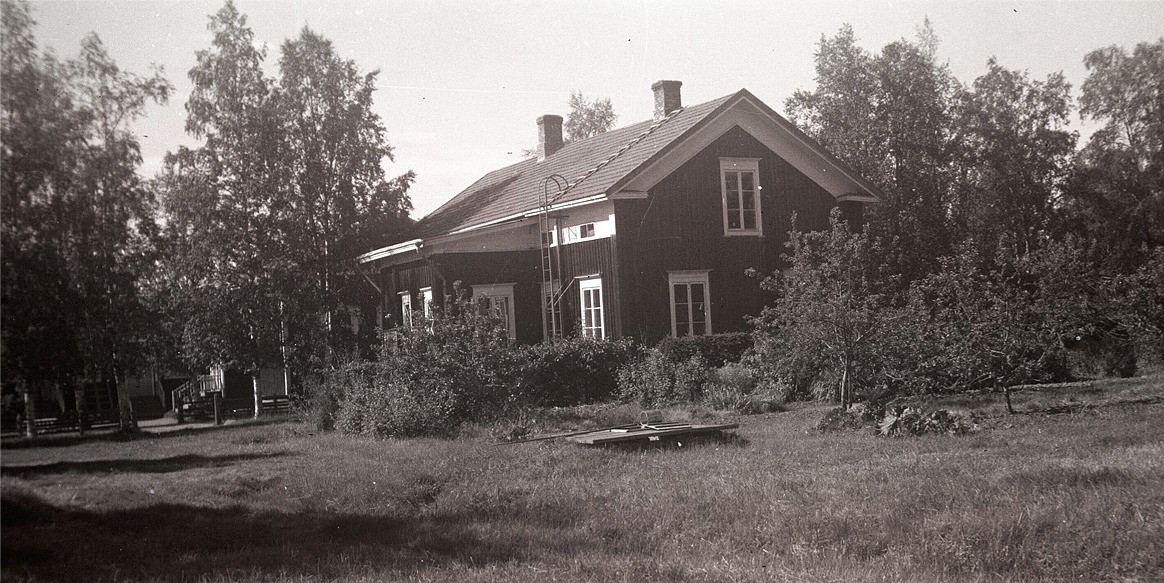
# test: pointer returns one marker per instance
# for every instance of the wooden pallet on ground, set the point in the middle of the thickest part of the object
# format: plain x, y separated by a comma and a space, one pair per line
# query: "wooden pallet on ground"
648, 433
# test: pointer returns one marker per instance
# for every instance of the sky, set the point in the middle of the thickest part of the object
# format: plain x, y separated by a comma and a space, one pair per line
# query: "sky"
461, 83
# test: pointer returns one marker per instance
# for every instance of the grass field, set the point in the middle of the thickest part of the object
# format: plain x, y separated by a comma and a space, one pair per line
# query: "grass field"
1072, 489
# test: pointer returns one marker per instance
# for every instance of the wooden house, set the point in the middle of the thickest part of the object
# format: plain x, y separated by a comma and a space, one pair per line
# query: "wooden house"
644, 231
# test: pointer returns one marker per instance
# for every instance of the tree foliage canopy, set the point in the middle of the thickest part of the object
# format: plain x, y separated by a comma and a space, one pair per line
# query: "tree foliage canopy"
77, 219
268, 215
588, 118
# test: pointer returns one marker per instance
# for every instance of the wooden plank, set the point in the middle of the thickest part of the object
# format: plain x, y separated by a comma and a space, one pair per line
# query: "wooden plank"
608, 437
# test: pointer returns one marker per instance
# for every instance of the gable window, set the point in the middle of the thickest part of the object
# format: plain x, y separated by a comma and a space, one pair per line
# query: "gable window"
690, 303
740, 185
592, 315
496, 301
406, 309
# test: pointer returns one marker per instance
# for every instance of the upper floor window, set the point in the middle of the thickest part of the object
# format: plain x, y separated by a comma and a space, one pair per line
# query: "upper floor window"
740, 184
690, 303
592, 314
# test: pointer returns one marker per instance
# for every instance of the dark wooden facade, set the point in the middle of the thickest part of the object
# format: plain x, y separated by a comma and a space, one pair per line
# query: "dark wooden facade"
680, 227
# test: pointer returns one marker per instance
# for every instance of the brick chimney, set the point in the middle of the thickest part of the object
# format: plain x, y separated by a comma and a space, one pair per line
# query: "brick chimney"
549, 135
667, 98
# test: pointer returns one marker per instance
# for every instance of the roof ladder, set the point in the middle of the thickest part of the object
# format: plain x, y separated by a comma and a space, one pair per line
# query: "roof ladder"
551, 254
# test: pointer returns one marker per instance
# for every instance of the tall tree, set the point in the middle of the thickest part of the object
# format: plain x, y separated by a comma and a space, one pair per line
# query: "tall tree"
1016, 156
340, 199
227, 209
267, 217
76, 216
888, 115
1116, 197
588, 118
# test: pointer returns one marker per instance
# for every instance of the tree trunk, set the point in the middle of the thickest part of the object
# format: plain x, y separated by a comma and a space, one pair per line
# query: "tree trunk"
258, 394
29, 410
846, 384
79, 403
1006, 394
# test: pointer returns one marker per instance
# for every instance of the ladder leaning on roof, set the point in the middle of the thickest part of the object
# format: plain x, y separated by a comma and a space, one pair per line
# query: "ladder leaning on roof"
551, 258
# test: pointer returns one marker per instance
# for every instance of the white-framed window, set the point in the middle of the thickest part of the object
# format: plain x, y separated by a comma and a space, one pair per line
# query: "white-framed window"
496, 300
406, 309
592, 312
426, 302
740, 184
586, 231
690, 302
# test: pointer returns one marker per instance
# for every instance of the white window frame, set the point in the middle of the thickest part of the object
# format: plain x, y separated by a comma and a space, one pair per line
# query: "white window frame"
499, 291
687, 278
592, 287
582, 231
426, 302
740, 165
405, 309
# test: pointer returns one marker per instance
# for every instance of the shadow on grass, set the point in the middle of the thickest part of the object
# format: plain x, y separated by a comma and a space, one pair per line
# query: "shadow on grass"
173, 542
139, 466
120, 436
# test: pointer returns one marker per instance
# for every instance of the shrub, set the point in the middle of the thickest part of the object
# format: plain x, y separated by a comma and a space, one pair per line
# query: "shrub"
657, 381
572, 371
430, 380
733, 387
715, 349
325, 390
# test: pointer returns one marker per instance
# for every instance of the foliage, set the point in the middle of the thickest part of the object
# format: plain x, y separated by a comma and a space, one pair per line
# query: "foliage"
734, 387
1015, 156
889, 116
588, 118
459, 367
716, 349
991, 321
267, 216
77, 220
911, 421
571, 371
1116, 194
656, 380
831, 311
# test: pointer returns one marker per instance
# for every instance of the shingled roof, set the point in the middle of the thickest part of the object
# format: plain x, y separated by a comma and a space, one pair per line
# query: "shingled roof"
591, 166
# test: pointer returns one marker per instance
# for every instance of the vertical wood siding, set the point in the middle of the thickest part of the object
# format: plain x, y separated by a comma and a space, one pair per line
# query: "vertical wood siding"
680, 227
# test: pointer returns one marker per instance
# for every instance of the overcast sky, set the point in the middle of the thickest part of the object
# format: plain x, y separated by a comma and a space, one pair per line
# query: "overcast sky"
461, 83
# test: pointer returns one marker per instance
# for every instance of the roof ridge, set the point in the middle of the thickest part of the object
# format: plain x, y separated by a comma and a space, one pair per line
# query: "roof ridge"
651, 129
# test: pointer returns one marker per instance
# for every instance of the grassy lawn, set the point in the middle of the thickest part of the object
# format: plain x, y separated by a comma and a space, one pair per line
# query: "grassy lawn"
1071, 490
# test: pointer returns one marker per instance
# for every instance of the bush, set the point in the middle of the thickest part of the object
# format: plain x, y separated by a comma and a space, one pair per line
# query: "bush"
733, 387
430, 380
573, 371
657, 381
715, 349
325, 390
